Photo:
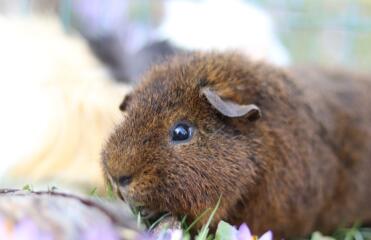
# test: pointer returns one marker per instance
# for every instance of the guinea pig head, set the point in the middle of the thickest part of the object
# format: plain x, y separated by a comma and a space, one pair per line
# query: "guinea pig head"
182, 144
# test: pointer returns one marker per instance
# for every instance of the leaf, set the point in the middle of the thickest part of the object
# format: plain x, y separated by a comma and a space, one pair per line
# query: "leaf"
186, 236
93, 192
27, 187
225, 231
319, 236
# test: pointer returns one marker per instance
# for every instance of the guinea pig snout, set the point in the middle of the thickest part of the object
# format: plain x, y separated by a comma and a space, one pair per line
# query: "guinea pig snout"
120, 185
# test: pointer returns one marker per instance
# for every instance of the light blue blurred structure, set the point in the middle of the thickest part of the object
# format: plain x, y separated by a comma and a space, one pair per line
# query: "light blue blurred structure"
330, 32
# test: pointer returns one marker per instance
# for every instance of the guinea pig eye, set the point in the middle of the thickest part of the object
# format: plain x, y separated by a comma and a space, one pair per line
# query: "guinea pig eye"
181, 132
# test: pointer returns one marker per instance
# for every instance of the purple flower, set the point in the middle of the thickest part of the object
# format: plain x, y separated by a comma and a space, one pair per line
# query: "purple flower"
267, 236
244, 233
170, 234
23, 230
104, 231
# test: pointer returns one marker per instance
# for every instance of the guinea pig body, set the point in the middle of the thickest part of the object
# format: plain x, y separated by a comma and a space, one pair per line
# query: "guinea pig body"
286, 150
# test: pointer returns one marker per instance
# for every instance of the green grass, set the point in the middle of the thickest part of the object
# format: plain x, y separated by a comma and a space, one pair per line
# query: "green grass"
27, 187
354, 233
224, 229
204, 233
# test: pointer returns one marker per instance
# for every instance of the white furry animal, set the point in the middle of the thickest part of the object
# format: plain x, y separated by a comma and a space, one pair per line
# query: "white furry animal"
57, 105
223, 25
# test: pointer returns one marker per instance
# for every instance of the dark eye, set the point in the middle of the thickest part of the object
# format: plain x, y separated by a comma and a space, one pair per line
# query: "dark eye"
181, 132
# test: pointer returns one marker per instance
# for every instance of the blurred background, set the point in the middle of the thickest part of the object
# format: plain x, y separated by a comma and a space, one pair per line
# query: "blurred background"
67, 64
327, 32
331, 32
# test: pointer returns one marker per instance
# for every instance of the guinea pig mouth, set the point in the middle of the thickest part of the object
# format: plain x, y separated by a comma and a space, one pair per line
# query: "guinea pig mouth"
146, 213
148, 216
151, 216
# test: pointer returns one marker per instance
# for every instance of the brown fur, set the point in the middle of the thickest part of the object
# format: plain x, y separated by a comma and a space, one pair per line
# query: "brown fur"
303, 166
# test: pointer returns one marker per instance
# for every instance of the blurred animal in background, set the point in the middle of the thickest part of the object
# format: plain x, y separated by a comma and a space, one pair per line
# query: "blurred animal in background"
129, 41
129, 36
58, 104
223, 25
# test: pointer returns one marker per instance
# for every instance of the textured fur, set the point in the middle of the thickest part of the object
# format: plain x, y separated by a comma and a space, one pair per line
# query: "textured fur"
303, 166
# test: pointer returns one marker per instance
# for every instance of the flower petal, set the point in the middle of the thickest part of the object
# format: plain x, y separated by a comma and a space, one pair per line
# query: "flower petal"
244, 232
267, 236
177, 234
171, 234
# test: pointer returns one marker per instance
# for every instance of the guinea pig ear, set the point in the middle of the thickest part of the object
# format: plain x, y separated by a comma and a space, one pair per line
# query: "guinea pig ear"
229, 108
124, 104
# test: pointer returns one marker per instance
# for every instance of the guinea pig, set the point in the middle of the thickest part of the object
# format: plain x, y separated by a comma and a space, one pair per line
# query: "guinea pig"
284, 149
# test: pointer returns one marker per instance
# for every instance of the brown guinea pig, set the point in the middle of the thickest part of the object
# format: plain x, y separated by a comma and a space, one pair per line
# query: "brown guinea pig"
287, 150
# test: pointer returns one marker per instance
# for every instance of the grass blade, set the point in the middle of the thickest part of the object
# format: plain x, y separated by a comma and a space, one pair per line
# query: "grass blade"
205, 229
159, 220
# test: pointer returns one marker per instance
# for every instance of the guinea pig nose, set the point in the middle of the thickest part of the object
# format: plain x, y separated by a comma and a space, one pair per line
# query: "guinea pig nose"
125, 180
